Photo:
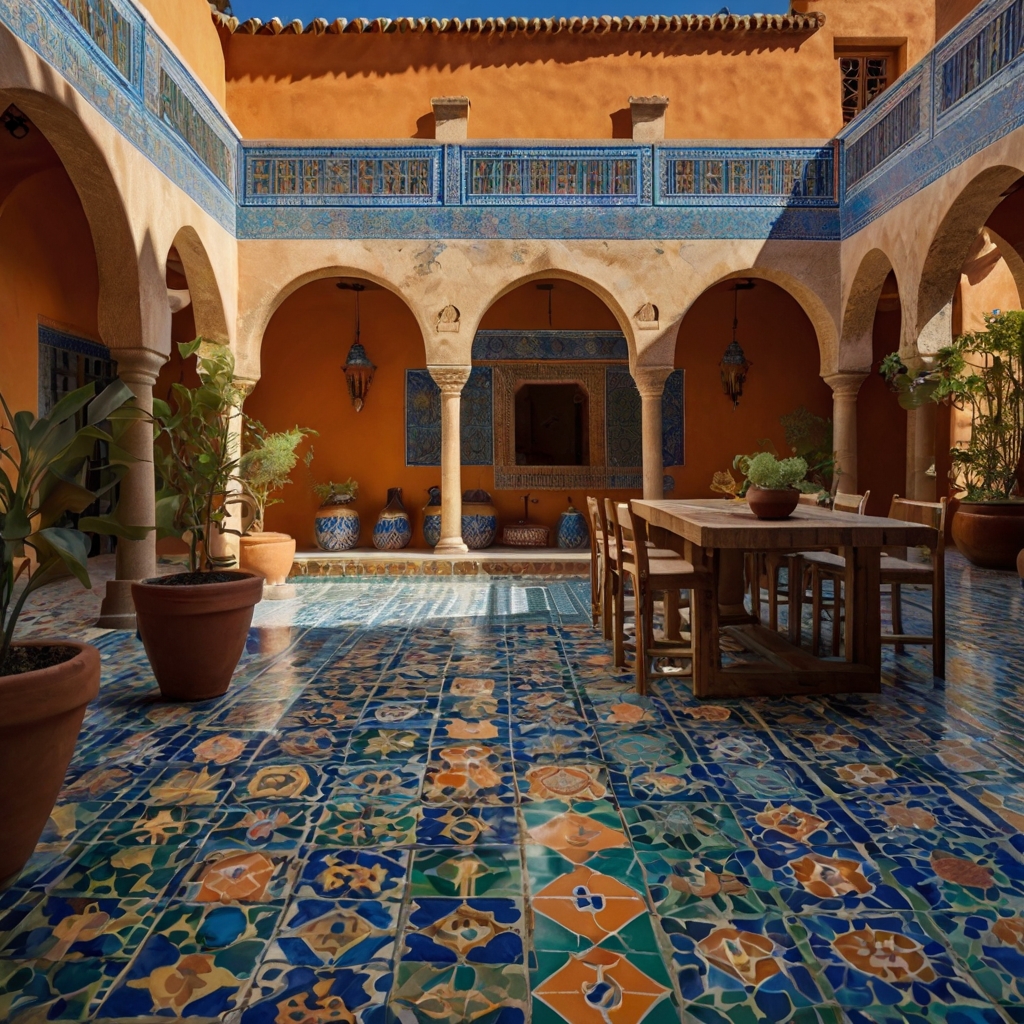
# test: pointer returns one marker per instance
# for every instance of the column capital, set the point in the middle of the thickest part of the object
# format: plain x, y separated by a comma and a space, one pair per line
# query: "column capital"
244, 385
847, 383
450, 379
138, 365
650, 380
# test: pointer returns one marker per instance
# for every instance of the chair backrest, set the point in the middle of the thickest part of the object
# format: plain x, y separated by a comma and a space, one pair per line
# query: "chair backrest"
638, 535
597, 529
924, 513
612, 533
855, 503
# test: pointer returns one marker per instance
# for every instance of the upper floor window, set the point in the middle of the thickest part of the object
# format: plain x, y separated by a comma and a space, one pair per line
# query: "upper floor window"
865, 76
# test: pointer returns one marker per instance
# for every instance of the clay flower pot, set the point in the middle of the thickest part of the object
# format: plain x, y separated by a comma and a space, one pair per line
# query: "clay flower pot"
271, 555
41, 714
194, 633
767, 504
989, 533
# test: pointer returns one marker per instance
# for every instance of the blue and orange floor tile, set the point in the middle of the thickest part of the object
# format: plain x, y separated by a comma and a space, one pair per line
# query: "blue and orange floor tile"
436, 801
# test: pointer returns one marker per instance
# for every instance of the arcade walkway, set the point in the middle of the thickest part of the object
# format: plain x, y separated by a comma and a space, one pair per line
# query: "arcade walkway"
434, 801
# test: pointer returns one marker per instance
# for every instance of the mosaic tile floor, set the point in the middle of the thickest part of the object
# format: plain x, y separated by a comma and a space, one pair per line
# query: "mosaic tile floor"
435, 801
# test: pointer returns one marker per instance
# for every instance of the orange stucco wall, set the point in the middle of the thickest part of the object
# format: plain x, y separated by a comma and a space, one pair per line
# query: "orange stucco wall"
949, 12
47, 268
187, 24
557, 85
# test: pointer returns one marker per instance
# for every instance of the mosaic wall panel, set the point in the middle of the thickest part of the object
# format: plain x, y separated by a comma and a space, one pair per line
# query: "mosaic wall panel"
423, 419
177, 110
326, 177
982, 56
798, 176
570, 345
899, 126
65, 360
592, 176
624, 425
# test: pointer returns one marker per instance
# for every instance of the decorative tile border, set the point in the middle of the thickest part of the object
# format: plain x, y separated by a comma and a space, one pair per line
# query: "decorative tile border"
316, 566
504, 345
423, 419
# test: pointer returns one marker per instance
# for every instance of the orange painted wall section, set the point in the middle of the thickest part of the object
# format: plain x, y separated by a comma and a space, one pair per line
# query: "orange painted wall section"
948, 13
47, 268
780, 343
188, 25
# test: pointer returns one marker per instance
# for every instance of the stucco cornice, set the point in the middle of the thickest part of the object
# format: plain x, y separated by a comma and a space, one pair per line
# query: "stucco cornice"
650, 23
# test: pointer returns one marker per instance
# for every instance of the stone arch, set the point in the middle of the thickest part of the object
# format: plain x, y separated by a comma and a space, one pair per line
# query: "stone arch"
205, 293
561, 274
251, 340
956, 233
1013, 259
119, 314
861, 305
809, 301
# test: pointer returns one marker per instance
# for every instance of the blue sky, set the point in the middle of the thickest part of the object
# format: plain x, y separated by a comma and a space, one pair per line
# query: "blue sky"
307, 10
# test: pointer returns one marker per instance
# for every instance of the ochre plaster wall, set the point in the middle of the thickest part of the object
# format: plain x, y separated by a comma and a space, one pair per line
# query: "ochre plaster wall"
188, 25
556, 85
779, 341
47, 268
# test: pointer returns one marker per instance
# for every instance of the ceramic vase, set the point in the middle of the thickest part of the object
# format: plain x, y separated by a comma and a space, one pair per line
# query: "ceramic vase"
572, 529
479, 520
336, 527
394, 528
772, 504
989, 533
432, 517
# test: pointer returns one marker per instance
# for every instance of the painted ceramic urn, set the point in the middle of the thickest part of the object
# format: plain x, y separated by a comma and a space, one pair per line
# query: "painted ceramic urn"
479, 520
394, 528
572, 529
432, 517
337, 525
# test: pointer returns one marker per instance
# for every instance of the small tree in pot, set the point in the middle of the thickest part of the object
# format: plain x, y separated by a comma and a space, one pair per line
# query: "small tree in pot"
46, 685
194, 624
981, 373
772, 485
266, 466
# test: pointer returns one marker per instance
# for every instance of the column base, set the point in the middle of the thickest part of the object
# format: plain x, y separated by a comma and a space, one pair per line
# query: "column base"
118, 608
451, 546
279, 591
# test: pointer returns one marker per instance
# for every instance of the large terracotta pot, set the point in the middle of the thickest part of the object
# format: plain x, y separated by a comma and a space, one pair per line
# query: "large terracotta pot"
271, 555
195, 634
989, 533
41, 714
766, 504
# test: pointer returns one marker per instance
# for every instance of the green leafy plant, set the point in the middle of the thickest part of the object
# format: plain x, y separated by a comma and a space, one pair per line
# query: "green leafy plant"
196, 454
51, 480
766, 471
809, 437
267, 463
983, 373
331, 493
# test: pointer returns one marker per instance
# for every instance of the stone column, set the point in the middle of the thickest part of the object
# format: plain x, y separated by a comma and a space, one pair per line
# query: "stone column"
844, 426
451, 379
650, 382
136, 559
920, 473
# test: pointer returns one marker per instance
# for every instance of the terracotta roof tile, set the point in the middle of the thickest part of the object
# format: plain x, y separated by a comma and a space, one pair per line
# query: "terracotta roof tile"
597, 25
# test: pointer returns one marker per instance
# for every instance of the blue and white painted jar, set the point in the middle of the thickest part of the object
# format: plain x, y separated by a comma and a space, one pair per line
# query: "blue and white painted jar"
572, 529
432, 517
479, 520
336, 527
393, 530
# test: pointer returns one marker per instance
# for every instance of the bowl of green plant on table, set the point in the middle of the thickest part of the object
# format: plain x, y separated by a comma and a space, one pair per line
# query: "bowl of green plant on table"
771, 484
981, 373
194, 624
48, 478
266, 466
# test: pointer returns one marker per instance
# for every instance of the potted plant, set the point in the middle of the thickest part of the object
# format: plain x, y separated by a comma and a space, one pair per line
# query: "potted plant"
983, 374
771, 484
336, 525
194, 624
45, 685
265, 467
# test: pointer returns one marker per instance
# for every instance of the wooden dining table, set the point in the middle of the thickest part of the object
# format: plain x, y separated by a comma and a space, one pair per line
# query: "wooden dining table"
714, 534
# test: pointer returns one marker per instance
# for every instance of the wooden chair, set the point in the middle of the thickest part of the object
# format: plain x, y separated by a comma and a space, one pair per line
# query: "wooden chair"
767, 568
615, 589
896, 570
654, 571
600, 571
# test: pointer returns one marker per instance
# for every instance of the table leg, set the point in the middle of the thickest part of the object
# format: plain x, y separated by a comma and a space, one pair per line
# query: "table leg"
864, 608
704, 622
730, 589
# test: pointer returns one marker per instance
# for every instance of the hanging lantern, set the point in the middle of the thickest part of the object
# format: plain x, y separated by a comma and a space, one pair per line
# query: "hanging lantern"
358, 368
734, 364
